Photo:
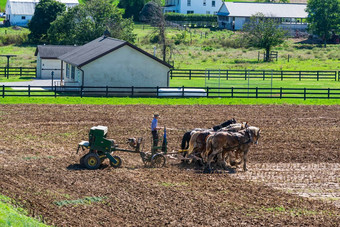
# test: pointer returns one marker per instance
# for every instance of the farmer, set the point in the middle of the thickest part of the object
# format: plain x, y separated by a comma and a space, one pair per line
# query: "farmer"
154, 129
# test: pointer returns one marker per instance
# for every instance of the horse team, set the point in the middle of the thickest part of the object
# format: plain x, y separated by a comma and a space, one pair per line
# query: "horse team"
222, 143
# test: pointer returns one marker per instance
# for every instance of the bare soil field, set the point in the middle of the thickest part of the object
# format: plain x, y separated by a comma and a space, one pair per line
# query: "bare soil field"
293, 177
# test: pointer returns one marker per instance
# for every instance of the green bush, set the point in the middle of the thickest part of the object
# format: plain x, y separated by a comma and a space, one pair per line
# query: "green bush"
190, 17
17, 39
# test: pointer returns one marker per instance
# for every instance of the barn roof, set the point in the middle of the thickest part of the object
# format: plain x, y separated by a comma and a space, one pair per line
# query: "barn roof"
27, 7
98, 48
53, 51
247, 9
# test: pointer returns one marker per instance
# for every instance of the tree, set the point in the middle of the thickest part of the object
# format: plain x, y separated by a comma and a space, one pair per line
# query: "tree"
45, 12
323, 17
86, 22
262, 32
132, 8
152, 13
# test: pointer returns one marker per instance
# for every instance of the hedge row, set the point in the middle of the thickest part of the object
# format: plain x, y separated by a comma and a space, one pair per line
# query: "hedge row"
190, 17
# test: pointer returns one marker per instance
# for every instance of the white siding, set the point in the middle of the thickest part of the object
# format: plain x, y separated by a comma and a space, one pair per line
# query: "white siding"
124, 67
197, 6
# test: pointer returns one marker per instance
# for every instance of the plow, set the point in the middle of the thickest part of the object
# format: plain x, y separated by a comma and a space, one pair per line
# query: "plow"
99, 148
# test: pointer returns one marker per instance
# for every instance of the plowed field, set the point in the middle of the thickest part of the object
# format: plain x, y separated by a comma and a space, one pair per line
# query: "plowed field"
293, 177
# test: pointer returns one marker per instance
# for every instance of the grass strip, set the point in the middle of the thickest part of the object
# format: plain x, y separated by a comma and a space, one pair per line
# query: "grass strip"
86, 200
165, 101
11, 215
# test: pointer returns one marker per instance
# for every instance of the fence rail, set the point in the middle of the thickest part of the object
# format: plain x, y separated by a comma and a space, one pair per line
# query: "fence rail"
208, 92
259, 74
18, 71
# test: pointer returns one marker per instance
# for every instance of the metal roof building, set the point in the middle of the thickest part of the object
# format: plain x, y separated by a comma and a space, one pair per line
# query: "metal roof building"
20, 12
233, 15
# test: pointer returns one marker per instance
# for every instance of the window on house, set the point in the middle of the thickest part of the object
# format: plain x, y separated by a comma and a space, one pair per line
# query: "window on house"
208, 12
204, 2
73, 72
23, 18
213, 3
188, 2
67, 71
190, 12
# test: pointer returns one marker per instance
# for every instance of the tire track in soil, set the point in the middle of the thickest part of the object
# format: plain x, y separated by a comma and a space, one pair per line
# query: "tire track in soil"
310, 180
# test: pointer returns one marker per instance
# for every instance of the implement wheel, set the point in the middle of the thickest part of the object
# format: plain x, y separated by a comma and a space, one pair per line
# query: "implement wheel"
157, 161
92, 161
118, 164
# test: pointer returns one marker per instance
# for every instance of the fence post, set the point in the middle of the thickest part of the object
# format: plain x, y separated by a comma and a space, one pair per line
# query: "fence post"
20, 71
3, 91
107, 91
207, 92
81, 91
208, 74
132, 90
317, 75
304, 93
299, 75
55, 91
190, 74
256, 92
157, 91
171, 73
227, 74
182, 91
245, 74
232, 92
329, 93
264, 75
281, 75
280, 92
29, 90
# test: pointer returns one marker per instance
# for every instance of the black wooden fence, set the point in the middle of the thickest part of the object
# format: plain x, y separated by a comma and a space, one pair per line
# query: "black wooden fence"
18, 71
254, 74
210, 74
208, 92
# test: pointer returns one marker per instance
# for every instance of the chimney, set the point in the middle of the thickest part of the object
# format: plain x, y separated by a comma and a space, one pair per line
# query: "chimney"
106, 33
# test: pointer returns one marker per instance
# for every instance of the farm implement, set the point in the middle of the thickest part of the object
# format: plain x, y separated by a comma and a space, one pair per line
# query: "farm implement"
101, 148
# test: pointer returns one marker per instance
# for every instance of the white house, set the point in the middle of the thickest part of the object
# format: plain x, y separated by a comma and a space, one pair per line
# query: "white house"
20, 12
111, 62
192, 6
233, 15
48, 61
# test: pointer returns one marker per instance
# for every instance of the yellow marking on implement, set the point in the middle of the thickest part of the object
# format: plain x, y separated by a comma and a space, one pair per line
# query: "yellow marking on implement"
181, 151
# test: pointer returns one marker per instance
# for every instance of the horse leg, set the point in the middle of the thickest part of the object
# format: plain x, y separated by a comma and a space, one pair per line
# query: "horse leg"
245, 160
221, 161
207, 168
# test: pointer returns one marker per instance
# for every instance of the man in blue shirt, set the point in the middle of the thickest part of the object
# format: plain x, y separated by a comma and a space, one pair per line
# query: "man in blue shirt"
154, 129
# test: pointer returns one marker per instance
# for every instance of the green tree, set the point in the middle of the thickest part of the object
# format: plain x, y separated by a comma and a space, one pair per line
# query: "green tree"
323, 17
132, 8
86, 22
45, 12
262, 32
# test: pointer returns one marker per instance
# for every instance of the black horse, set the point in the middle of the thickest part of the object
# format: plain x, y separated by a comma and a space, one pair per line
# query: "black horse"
224, 124
187, 135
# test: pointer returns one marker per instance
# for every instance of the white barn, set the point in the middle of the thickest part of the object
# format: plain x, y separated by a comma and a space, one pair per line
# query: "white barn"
111, 62
48, 61
192, 6
233, 15
20, 12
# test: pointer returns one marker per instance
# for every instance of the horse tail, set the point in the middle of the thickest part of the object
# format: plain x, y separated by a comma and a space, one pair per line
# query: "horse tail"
185, 140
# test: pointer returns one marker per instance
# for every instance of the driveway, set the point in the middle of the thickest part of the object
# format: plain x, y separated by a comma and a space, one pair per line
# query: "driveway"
36, 82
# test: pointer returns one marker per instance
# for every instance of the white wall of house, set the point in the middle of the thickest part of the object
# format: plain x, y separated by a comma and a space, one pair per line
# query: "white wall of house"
20, 20
46, 66
124, 67
193, 6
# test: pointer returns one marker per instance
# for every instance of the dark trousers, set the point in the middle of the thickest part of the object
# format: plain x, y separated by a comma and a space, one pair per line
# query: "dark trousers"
154, 139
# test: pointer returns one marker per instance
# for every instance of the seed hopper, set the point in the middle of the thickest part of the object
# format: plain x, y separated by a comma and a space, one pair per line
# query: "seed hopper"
100, 148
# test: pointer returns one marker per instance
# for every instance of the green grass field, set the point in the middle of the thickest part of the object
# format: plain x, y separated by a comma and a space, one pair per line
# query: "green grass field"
164, 101
13, 215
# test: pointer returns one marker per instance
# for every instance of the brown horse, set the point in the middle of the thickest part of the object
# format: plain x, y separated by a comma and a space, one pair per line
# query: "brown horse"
226, 142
